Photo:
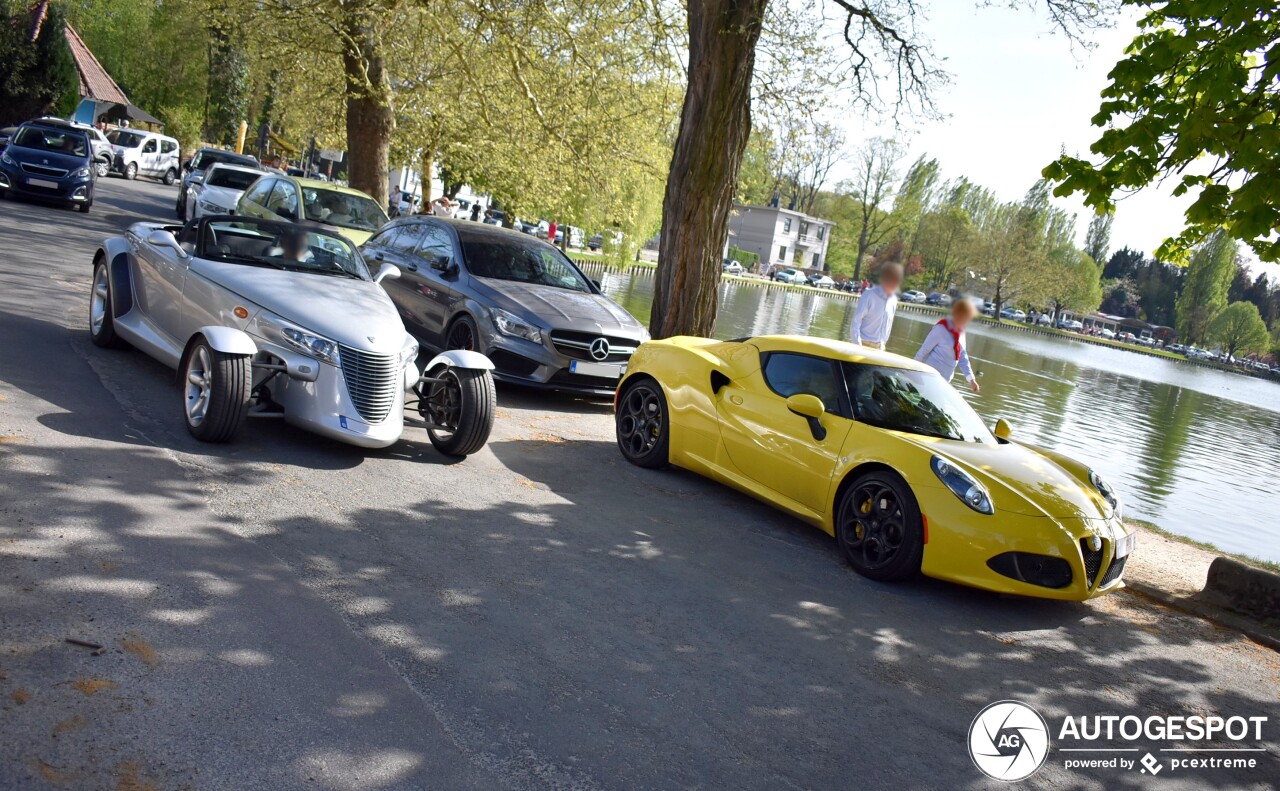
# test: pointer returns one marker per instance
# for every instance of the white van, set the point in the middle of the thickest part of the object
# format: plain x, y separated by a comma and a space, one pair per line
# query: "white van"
139, 153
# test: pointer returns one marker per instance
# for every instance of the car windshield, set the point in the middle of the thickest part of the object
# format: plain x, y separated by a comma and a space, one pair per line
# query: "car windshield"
505, 257
125, 138
916, 402
210, 158
231, 179
62, 141
279, 246
343, 209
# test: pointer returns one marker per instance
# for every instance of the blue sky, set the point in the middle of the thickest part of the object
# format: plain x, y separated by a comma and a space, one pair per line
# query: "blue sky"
1019, 95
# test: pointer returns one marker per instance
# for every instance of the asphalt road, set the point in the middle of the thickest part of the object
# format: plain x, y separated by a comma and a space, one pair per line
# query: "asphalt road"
287, 612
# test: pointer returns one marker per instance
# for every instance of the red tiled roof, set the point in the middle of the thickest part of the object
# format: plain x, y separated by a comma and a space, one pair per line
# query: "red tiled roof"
95, 83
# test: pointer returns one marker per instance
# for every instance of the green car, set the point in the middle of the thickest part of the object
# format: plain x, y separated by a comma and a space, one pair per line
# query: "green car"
349, 212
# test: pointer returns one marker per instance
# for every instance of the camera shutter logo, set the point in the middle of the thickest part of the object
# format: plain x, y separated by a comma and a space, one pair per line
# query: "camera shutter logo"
1008, 741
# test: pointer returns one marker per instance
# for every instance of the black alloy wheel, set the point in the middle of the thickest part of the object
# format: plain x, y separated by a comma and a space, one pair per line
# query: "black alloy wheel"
878, 527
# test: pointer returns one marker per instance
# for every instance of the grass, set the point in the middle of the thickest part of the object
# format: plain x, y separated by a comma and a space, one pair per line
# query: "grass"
1249, 559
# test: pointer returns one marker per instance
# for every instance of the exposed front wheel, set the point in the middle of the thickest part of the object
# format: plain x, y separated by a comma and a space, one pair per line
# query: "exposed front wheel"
102, 167
878, 527
462, 404
463, 335
102, 327
170, 176
131, 172
215, 392
84, 207
643, 425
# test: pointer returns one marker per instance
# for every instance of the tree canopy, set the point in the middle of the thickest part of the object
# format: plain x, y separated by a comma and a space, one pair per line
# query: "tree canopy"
1238, 329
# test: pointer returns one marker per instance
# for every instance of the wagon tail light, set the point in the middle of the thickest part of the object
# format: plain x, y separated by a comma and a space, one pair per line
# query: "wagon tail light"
963, 485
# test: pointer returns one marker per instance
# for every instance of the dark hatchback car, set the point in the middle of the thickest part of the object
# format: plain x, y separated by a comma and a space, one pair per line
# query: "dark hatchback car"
517, 299
49, 160
193, 170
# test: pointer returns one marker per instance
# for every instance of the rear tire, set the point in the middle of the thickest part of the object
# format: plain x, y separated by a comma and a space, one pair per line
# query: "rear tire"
131, 172
878, 527
643, 425
102, 325
102, 168
465, 402
215, 390
170, 176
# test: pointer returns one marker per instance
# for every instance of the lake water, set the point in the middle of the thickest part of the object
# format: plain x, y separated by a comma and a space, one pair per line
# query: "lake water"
1193, 450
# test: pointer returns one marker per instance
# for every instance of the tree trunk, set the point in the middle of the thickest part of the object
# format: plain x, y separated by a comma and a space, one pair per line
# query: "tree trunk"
370, 118
714, 126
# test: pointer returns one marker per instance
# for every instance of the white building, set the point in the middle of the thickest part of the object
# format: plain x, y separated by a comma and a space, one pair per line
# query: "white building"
781, 237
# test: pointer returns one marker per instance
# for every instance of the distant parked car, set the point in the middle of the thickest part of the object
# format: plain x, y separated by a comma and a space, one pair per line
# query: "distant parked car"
989, 309
139, 153
219, 191
911, 295
1106, 333
194, 168
1176, 348
595, 242
822, 281
1044, 320
731, 268
49, 160
938, 298
792, 276
1013, 314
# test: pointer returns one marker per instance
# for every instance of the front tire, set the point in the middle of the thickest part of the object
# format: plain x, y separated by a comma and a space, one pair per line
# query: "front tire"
215, 392
643, 425
878, 527
102, 325
131, 172
84, 207
170, 176
102, 168
463, 335
463, 403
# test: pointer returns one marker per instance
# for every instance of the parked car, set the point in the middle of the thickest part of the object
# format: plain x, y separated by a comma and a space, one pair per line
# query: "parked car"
51, 160
1044, 320
913, 296
495, 217
1013, 314
731, 268
863, 444
218, 190
194, 168
939, 298
139, 153
348, 211
793, 276
595, 242
821, 281
850, 286
989, 309
1176, 348
1106, 333
516, 299
273, 319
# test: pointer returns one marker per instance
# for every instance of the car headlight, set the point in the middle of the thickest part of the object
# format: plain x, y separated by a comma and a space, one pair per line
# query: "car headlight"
516, 327
8, 160
1107, 491
963, 485
82, 173
318, 347
211, 208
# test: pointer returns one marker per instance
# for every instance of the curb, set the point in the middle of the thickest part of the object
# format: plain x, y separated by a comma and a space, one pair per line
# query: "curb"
1249, 627
1248, 590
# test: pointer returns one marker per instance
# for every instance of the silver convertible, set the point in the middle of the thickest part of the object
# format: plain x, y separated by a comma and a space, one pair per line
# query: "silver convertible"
277, 320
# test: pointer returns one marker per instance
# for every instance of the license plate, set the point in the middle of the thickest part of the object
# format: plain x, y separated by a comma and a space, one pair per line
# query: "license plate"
50, 185
1125, 545
602, 370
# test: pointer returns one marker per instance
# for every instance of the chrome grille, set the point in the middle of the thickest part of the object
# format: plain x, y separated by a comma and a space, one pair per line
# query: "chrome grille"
577, 345
372, 381
41, 170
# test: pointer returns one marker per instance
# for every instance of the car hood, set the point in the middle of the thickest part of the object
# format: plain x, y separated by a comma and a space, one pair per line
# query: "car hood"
356, 313
35, 156
225, 197
1021, 480
560, 308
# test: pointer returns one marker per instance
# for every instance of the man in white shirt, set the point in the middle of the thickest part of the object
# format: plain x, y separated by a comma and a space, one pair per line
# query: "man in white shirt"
873, 318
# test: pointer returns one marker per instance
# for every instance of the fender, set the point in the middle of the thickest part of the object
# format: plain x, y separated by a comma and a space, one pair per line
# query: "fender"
118, 254
461, 358
228, 340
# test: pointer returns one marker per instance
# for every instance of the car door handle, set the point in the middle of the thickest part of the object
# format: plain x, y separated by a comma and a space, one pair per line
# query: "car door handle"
411, 267
736, 399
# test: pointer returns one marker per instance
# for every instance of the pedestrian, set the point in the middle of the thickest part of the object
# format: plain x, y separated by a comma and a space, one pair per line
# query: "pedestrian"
551, 232
873, 318
944, 348
475, 212
442, 206
394, 200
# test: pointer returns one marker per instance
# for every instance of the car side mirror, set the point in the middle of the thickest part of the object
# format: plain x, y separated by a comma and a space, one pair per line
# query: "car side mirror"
444, 265
387, 271
811, 408
1003, 430
163, 238
596, 283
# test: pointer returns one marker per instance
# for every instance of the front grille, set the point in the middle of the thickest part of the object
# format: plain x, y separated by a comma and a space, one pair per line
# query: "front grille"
372, 381
41, 170
577, 345
1113, 573
1092, 561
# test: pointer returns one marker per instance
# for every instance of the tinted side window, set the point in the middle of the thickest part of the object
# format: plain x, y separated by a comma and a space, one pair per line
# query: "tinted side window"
385, 238
284, 200
792, 374
407, 240
149, 147
168, 146
435, 243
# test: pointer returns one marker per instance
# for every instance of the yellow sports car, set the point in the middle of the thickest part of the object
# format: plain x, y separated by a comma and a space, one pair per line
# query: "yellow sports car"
880, 452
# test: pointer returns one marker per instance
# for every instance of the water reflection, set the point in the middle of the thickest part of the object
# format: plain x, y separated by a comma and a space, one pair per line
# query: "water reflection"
1194, 450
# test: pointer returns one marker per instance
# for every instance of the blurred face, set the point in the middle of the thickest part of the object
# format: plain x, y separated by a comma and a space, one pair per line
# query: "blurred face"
890, 280
961, 313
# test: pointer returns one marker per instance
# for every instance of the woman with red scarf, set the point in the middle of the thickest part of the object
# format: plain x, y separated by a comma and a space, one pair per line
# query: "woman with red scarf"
944, 347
